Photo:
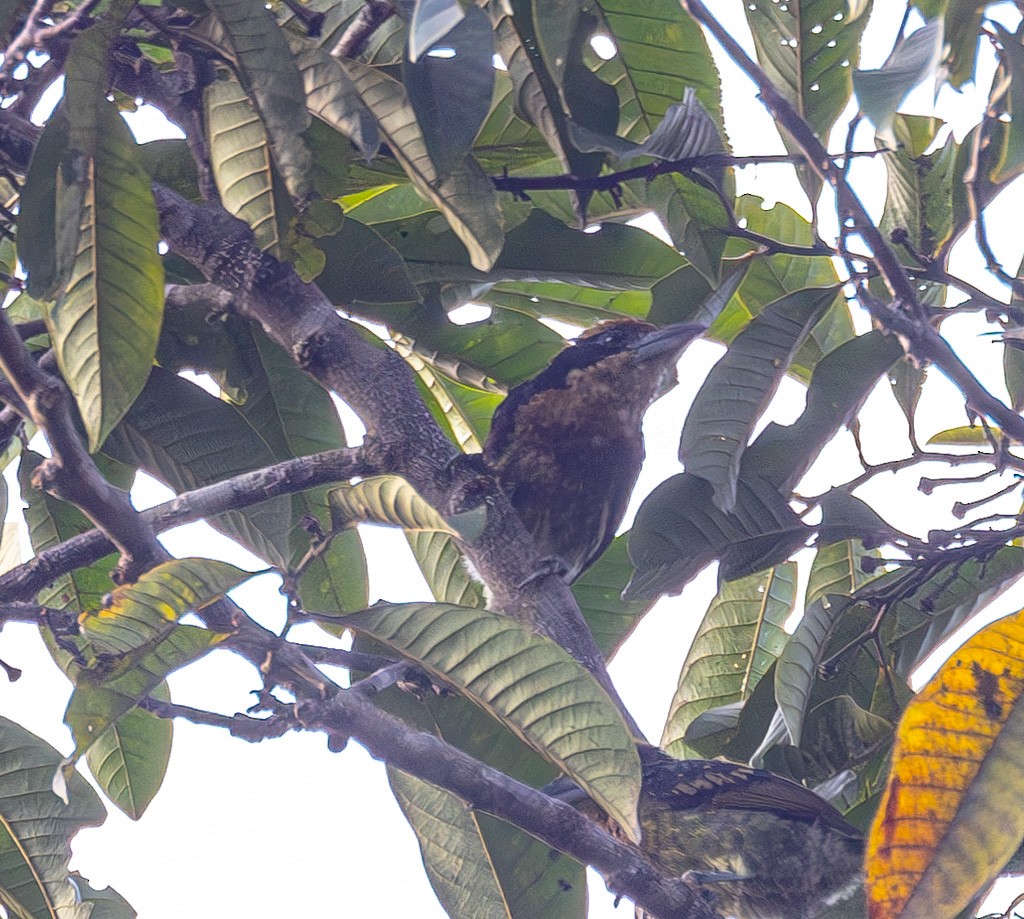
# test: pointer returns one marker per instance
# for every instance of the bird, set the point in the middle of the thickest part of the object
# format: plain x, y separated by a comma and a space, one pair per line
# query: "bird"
566, 446
757, 845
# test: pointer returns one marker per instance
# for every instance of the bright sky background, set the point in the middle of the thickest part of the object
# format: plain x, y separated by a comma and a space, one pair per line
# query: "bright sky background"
287, 828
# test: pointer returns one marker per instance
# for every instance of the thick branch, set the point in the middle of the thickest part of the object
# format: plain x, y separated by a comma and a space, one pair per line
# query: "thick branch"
235, 493
553, 822
70, 472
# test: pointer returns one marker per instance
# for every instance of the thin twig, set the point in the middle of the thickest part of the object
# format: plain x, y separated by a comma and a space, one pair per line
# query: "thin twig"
370, 18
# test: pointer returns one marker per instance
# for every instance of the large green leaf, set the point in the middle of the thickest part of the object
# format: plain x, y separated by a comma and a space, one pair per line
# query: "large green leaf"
333, 98
464, 195
362, 267
835, 574
544, 89
678, 531
187, 438
240, 160
739, 388
135, 617
104, 326
533, 881
455, 858
661, 51
809, 50
36, 828
741, 635
451, 93
129, 759
272, 80
37, 209
919, 196
841, 383
103, 696
527, 682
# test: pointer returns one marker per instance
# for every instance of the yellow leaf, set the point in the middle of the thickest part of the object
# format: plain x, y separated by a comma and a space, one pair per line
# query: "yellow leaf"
950, 817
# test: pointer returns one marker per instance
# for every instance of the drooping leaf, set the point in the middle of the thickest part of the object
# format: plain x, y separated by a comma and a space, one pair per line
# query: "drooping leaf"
187, 438
464, 195
451, 92
332, 97
392, 500
809, 50
739, 638
37, 828
240, 160
678, 531
835, 574
948, 820
913, 60
841, 383
270, 77
101, 700
526, 681
137, 616
129, 759
105, 324
739, 388
432, 20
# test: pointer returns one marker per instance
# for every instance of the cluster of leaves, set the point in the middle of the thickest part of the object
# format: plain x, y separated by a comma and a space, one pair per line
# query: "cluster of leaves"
403, 174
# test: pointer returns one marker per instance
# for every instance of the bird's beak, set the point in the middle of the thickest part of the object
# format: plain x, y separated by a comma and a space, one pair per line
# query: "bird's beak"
668, 340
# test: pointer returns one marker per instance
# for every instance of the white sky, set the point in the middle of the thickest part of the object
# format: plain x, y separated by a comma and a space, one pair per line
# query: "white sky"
287, 828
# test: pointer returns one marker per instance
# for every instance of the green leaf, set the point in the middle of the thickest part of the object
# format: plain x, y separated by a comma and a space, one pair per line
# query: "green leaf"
362, 267
835, 574
444, 568
129, 759
270, 77
431, 21
841, 383
534, 881
333, 98
739, 388
661, 50
740, 637
240, 160
451, 94
526, 681
36, 827
50, 522
598, 592
137, 616
88, 79
37, 208
809, 50
678, 531
101, 700
454, 856
1009, 160
928, 613
104, 326
919, 196
187, 438
390, 499
913, 60
541, 99
464, 195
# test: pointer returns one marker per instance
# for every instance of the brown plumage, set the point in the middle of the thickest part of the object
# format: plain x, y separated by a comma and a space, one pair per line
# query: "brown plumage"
567, 446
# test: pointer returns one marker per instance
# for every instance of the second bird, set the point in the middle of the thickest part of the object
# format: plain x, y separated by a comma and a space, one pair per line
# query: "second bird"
567, 445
